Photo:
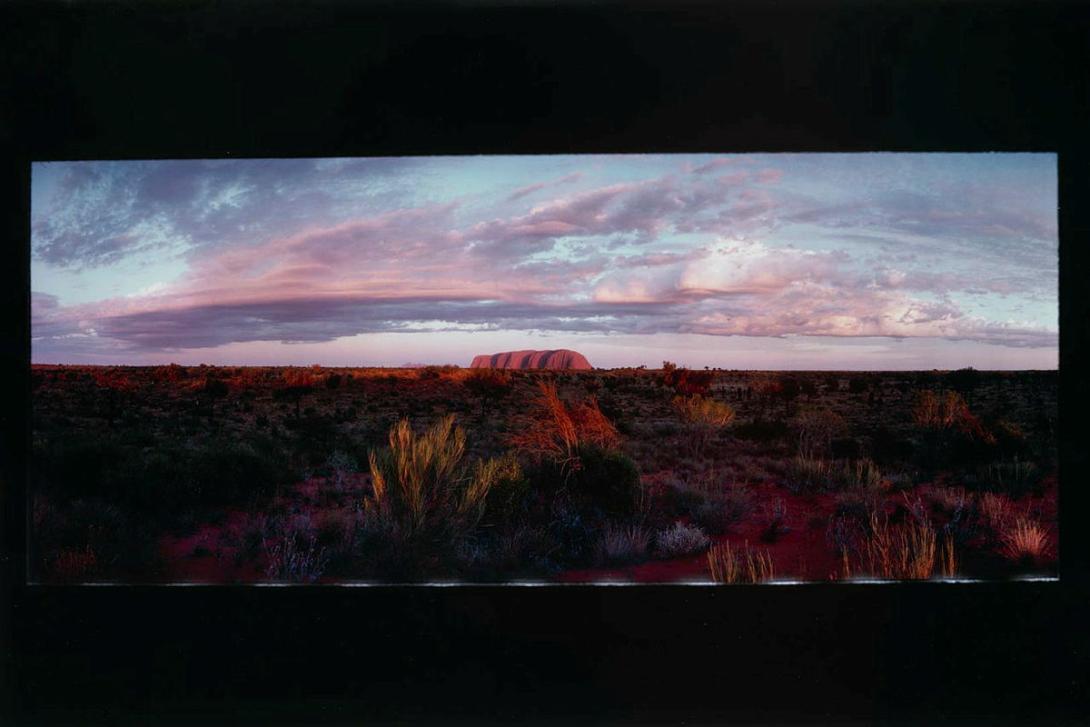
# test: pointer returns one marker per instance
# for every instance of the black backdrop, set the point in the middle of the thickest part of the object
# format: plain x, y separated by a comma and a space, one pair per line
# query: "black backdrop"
202, 79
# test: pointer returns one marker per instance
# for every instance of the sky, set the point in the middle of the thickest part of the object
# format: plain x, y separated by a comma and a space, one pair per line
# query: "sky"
749, 261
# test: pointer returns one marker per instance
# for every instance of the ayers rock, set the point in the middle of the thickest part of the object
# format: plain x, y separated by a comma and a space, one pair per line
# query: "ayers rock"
559, 359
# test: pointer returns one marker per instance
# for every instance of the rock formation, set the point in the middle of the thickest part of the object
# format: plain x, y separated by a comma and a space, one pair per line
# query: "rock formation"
558, 359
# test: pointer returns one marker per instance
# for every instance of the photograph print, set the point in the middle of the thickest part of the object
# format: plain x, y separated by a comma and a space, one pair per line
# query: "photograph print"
586, 369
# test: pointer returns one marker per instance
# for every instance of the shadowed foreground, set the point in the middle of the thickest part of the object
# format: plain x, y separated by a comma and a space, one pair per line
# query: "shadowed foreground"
221, 474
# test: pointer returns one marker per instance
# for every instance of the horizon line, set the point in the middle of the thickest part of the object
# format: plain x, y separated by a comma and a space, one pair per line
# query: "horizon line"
403, 367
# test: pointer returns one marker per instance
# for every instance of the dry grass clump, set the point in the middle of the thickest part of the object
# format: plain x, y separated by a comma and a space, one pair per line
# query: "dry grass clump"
73, 563
699, 410
746, 565
681, 539
422, 486
948, 559
703, 418
558, 430
808, 473
905, 552
1024, 540
995, 510
863, 474
624, 544
294, 555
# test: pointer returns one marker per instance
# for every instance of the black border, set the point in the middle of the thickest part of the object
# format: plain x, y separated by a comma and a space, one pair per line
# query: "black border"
202, 79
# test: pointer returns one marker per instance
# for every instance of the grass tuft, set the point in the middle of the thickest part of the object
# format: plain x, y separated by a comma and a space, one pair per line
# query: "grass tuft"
681, 539
1025, 540
727, 564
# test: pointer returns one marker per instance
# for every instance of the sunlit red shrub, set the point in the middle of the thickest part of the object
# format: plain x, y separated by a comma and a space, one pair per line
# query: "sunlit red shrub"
947, 410
489, 385
556, 430
686, 382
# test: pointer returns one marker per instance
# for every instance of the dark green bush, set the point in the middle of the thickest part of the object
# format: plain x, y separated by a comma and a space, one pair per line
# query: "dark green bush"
605, 480
762, 430
676, 501
509, 501
722, 510
571, 534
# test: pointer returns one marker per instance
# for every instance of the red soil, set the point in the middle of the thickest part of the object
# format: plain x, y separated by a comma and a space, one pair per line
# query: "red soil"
208, 554
801, 553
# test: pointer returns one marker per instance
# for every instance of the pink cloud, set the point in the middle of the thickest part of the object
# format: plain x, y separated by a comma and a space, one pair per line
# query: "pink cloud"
532, 188
716, 164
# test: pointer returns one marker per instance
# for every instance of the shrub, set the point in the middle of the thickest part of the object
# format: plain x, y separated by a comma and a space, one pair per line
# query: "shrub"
746, 565
719, 511
557, 431
625, 544
1011, 441
423, 488
964, 380
431, 373
214, 388
1016, 477
942, 410
903, 479
221, 473
679, 499
606, 480
681, 539
949, 499
78, 465
341, 467
844, 531
489, 385
81, 527
508, 498
570, 535
963, 511
686, 382
762, 430
703, 419
845, 448
817, 428
954, 435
